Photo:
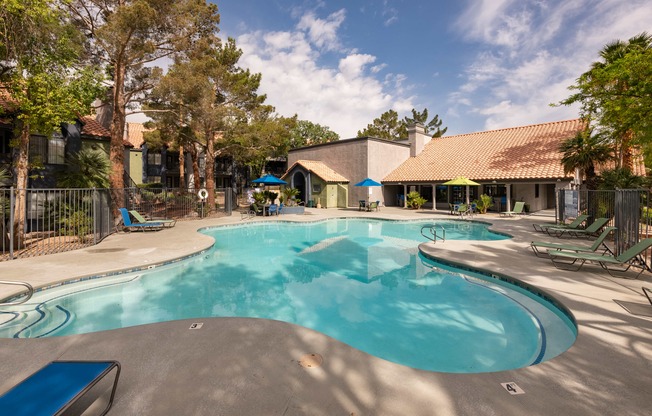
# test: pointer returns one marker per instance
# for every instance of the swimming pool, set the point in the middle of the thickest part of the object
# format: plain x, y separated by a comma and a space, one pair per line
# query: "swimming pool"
360, 281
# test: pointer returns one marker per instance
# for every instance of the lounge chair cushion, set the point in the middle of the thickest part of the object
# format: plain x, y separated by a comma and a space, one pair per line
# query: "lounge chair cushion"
56, 387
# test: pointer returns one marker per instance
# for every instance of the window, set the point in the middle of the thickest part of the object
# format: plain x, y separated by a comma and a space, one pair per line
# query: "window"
51, 151
56, 150
536, 190
153, 158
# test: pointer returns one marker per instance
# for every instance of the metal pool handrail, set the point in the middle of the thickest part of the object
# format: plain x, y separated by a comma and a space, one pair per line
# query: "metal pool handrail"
30, 291
433, 232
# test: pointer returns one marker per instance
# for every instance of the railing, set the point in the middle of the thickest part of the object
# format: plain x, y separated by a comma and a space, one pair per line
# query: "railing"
433, 235
628, 209
36, 222
30, 292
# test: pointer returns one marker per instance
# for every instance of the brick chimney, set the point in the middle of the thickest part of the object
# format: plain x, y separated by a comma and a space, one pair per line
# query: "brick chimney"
417, 138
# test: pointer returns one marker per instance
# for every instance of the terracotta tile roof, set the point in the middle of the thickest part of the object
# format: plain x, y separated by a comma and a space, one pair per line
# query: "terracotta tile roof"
134, 133
528, 152
92, 127
319, 169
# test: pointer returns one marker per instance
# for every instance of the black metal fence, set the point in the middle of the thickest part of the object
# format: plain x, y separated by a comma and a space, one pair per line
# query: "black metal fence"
58, 220
628, 209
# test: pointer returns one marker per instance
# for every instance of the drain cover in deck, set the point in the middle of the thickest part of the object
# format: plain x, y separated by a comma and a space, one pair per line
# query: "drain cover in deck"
311, 360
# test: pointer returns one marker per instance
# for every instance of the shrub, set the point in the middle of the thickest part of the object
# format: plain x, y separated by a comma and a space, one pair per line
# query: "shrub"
414, 200
484, 203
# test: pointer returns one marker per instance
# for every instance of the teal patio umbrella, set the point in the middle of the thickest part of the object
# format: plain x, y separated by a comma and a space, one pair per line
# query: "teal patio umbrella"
269, 180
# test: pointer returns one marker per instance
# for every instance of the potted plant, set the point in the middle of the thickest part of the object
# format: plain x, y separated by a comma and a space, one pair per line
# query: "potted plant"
484, 203
415, 200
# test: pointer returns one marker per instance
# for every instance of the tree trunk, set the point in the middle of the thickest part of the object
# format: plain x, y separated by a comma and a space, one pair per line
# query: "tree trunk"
210, 171
117, 138
182, 168
626, 149
22, 172
195, 166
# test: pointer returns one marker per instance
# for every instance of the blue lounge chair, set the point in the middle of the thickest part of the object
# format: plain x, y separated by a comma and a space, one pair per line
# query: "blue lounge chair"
629, 258
539, 246
573, 225
58, 389
126, 221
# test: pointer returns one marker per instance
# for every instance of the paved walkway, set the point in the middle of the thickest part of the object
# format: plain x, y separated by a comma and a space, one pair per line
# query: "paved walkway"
238, 366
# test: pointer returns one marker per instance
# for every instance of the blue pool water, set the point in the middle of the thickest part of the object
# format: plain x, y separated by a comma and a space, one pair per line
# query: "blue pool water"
362, 282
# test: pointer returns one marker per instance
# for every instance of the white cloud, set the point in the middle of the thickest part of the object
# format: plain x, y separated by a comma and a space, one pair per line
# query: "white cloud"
345, 98
323, 32
531, 51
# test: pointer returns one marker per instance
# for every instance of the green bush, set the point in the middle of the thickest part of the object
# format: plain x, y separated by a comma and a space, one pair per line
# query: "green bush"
414, 200
484, 203
78, 224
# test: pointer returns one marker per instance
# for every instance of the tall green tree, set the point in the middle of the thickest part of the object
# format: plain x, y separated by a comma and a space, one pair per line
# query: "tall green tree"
616, 95
262, 136
128, 37
584, 151
307, 133
41, 74
432, 127
213, 94
387, 127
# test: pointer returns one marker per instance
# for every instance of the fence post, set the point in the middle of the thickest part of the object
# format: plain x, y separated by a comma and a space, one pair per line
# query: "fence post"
12, 205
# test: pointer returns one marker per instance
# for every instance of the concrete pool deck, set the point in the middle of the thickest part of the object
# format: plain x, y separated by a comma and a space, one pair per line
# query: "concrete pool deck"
237, 366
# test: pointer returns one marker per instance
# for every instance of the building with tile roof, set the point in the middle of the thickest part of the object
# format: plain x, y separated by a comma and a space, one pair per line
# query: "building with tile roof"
326, 185
520, 163
352, 160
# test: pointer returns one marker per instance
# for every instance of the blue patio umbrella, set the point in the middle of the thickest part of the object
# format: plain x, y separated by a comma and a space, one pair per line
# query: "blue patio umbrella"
368, 182
269, 180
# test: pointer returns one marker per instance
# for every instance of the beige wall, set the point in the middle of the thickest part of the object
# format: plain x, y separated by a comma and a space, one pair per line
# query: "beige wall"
357, 159
136, 165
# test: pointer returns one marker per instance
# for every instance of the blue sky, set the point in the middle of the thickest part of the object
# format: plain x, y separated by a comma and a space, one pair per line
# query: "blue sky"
479, 64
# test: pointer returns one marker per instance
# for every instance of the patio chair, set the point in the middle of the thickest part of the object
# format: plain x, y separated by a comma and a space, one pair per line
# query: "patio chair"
539, 246
246, 214
629, 258
518, 209
573, 225
372, 206
126, 221
591, 231
142, 220
62, 387
272, 210
258, 210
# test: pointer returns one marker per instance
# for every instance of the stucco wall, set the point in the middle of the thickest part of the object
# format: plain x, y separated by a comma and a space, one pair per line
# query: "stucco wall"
356, 159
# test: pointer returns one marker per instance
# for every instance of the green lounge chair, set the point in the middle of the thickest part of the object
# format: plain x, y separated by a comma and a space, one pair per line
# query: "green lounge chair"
126, 221
141, 220
573, 225
591, 231
539, 246
518, 209
629, 258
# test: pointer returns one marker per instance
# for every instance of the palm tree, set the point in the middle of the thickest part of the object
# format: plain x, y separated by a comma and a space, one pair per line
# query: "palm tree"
611, 53
584, 151
86, 169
